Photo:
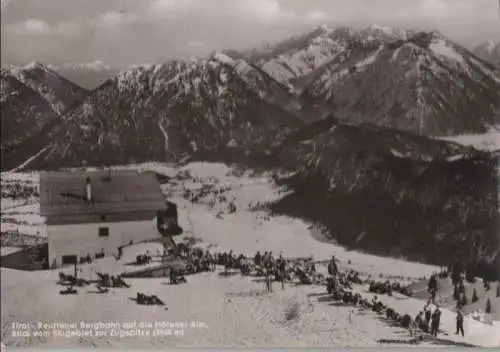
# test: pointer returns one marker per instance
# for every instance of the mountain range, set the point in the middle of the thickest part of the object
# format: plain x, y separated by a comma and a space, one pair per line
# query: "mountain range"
419, 82
356, 115
88, 75
489, 51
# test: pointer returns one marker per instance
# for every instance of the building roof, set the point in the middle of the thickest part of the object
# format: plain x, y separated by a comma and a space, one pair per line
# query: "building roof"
111, 192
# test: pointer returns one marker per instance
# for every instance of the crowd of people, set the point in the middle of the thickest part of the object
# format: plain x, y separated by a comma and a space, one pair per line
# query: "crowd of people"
339, 284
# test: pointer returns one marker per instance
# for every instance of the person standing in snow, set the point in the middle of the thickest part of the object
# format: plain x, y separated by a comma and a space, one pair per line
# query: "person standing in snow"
264, 259
282, 271
271, 260
427, 318
460, 323
332, 267
436, 318
257, 259
433, 287
269, 283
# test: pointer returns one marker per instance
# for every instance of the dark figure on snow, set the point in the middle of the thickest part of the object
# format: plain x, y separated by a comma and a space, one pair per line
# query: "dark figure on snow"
332, 267
433, 287
313, 267
270, 259
282, 271
436, 318
257, 259
212, 261
460, 323
269, 281
174, 276
421, 323
456, 273
456, 293
486, 284
427, 318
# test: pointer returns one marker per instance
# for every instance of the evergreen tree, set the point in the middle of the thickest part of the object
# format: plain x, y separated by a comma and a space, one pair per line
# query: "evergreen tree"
474, 296
470, 273
487, 310
465, 301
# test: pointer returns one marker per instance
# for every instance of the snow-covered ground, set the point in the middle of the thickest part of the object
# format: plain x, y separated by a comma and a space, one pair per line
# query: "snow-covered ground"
222, 208
488, 141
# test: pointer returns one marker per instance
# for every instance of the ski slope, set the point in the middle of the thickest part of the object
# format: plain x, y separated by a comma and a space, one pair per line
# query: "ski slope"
232, 311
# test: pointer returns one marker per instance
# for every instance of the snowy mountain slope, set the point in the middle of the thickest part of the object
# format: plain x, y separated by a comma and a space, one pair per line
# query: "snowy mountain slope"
427, 85
489, 51
391, 192
489, 141
153, 112
87, 75
24, 113
240, 312
296, 57
59, 92
262, 83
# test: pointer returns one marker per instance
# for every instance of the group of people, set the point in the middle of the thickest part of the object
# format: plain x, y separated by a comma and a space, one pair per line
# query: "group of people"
429, 321
278, 268
271, 267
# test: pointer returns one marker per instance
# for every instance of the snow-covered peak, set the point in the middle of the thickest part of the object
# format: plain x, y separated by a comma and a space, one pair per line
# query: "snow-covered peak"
221, 57
445, 49
385, 29
326, 29
489, 51
95, 65
35, 65
383, 33
490, 45
18, 70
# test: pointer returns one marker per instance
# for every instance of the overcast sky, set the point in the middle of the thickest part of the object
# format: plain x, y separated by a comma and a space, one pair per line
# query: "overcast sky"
121, 32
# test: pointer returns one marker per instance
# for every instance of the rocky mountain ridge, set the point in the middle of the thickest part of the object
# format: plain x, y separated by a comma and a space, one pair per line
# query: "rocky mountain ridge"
153, 112
414, 81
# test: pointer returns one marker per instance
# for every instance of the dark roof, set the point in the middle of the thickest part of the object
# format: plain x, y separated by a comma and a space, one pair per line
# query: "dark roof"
124, 191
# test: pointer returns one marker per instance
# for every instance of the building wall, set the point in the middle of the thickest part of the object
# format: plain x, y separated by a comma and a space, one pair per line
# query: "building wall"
83, 239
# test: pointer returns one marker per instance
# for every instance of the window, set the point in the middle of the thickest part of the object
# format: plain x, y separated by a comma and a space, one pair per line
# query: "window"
103, 231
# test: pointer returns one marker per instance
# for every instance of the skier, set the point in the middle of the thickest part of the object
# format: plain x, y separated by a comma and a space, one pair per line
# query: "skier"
460, 323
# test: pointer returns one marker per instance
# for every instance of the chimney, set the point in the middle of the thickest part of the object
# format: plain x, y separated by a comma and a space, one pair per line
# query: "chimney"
88, 190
